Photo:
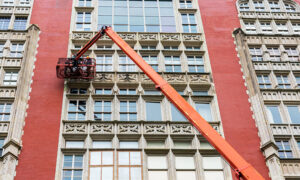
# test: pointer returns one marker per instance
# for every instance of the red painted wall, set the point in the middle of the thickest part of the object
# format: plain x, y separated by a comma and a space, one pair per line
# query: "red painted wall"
219, 18
40, 140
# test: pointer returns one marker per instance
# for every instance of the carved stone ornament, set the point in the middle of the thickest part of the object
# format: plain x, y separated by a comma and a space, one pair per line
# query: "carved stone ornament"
82, 36
4, 127
127, 77
175, 77
148, 37
7, 92
191, 37
104, 77
155, 128
145, 78
199, 78
75, 128
129, 128
127, 36
181, 129
169, 37
102, 128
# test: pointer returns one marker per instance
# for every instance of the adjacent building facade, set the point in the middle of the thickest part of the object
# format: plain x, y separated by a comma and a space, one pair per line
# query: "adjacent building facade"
118, 126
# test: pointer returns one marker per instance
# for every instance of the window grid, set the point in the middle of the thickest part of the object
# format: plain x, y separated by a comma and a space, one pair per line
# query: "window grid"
259, 5
103, 91
8, 2
157, 167
193, 48
273, 114
213, 167
250, 26
195, 63
20, 23
186, 4
10, 78
130, 165
126, 64
172, 64
72, 167
189, 24
101, 165
127, 92
283, 81
102, 110
264, 81
289, 7
266, 27
274, 53
1, 145
274, 6
294, 114
185, 167
128, 111
5, 109
284, 150
152, 61
244, 6
296, 27
85, 3
256, 53
293, 54
77, 110
282, 27
104, 63
83, 21
16, 50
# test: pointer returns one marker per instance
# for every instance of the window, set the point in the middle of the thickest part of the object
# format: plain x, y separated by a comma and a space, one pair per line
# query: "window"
1, 145
129, 165
297, 77
284, 150
296, 27
74, 144
274, 53
8, 2
186, 144
126, 64
84, 3
83, 21
103, 91
148, 47
195, 63
289, 7
200, 93
204, 110
186, 4
213, 168
104, 46
1, 49
294, 114
185, 168
152, 61
250, 26
103, 63
10, 78
282, 27
189, 24
171, 47
5, 109
274, 6
24, 2
192, 48
137, 15
102, 144
4, 23
293, 54
152, 107
266, 27
128, 111
273, 114
176, 114
20, 23
152, 92
77, 110
256, 53
16, 50
102, 110
157, 168
244, 6
283, 81
155, 144
129, 144
172, 64
264, 81
259, 5
101, 165
127, 92
78, 91
72, 167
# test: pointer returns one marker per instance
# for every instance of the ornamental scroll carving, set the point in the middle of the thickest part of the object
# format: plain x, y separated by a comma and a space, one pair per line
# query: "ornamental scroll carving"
181, 129
82, 36
75, 128
148, 37
129, 128
127, 77
155, 128
102, 128
170, 37
199, 78
127, 36
190, 37
175, 77
104, 77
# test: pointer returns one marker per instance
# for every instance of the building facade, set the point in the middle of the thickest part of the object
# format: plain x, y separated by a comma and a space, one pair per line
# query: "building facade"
118, 126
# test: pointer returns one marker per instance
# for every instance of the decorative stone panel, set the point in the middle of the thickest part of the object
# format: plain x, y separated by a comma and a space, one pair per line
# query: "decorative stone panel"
6, 10
247, 15
127, 77
253, 40
82, 35
290, 169
270, 40
12, 62
75, 128
175, 78
128, 128
148, 37
104, 77
7, 92
18, 36
279, 15
191, 37
199, 78
264, 15
102, 128
295, 66
4, 127
170, 37
22, 10
261, 66
127, 36
280, 129
181, 129
270, 95
288, 40
280, 66
290, 96
155, 129
295, 129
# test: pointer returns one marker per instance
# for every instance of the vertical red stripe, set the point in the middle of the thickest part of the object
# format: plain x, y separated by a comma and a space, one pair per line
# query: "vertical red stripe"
41, 131
219, 18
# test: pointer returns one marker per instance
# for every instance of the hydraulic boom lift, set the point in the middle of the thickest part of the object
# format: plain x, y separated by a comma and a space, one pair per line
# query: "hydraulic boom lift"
84, 68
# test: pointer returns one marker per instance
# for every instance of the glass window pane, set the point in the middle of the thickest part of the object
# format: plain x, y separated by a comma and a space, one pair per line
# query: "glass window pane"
294, 114
136, 173
212, 163
204, 111
123, 173
107, 173
153, 107
157, 162
102, 144
95, 173
273, 114
74, 144
158, 175
213, 175
176, 114
184, 175
184, 162
95, 158
123, 158
129, 144
135, 158
107, 158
